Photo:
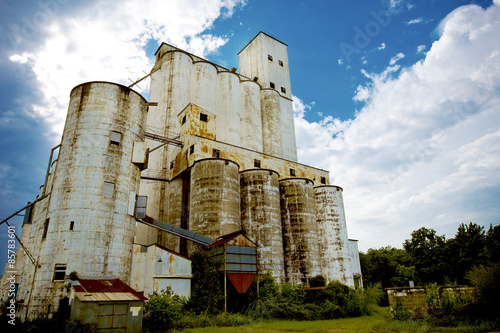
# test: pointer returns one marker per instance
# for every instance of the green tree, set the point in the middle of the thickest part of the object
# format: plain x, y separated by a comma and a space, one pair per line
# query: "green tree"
493, 244
383, 265
467, 249
207, 293
427, 254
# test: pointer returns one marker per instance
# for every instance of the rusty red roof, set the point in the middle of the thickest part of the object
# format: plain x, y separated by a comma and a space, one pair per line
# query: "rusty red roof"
106, 289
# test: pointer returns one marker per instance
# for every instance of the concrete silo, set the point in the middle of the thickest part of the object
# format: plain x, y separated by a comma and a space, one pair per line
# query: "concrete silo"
300, 231
87, 227
214, 200
335, 261
261, 218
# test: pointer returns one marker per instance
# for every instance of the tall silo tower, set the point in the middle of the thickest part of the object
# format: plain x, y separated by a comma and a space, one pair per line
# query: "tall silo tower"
265, 59
86, 226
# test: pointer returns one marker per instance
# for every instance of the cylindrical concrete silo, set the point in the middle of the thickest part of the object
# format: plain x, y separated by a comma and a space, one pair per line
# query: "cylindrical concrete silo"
300, 232
87, 227
214, 203
171, 89
203, 86
228, 108
333, 239
251, 118
261, 218
271, 122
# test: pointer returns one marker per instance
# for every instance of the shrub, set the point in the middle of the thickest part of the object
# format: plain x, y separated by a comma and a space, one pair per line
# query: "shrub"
163, 310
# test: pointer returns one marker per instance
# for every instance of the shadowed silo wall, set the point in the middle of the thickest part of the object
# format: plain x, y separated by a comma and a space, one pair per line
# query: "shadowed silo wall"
335, 261
91, 188
261, 218
214, 198
300, 232
271, 122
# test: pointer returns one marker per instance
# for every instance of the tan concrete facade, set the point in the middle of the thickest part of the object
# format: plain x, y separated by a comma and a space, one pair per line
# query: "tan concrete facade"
233, 167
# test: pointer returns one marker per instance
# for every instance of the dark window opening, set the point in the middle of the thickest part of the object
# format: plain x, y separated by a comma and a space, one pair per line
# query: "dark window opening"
115, 138
271, 84
292, 172
283, 90
203, 117
256, 163
59, 272
71, 225
270, 57
216, 153
323, 180
172, 165
280, 62
183, 120
45, 228
191, 149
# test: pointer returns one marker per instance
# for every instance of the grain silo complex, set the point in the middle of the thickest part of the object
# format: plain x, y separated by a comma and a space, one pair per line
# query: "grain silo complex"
211, 153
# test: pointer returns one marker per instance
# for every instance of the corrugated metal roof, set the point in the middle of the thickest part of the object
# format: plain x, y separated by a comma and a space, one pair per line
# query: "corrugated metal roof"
89, 290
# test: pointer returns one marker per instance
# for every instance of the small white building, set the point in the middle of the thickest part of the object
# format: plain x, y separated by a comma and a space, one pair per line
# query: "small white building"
155, 268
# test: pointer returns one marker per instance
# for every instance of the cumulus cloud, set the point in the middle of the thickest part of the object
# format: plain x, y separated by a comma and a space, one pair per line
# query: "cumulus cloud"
395, 59
425, 144
381, 46
107, 41
421, 48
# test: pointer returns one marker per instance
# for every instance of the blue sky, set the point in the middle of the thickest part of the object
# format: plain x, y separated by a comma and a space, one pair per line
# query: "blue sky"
398, 99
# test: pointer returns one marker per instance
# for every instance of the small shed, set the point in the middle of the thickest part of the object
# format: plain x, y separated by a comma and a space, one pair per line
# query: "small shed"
109, 305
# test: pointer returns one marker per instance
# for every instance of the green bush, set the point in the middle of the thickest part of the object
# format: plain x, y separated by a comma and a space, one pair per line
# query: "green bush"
163, 310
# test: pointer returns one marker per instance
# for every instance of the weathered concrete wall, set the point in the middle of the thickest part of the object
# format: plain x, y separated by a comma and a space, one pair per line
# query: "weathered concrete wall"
300, 230
335, 260
214, 207
91, 188
250, 115
357, 275
261, 218
228, 108
414, 298
271, 123
154, 268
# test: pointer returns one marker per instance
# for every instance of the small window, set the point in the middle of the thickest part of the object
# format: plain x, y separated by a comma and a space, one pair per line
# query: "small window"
115, 138
172, 165
283, 90
280, 62
256, 163
45, 228
271, 84
215, 153
269, 57
203, 117
323, 180
71, 225
59, 272
108, 189
292, 172
183, 120
191, 149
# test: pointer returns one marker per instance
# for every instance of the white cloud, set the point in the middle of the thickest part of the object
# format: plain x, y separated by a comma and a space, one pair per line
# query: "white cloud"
423, 150
421, 48
395, 59
107, 40
381, 47
415, 21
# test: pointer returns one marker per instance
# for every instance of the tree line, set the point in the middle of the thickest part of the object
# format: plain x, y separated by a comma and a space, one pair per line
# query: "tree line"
430, 258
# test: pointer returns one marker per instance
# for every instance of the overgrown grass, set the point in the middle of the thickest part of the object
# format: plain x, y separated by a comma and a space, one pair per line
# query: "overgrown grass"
379, 321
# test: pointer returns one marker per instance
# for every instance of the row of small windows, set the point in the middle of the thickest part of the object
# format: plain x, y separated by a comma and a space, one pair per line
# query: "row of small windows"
270, 58
203, 117
272, 85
